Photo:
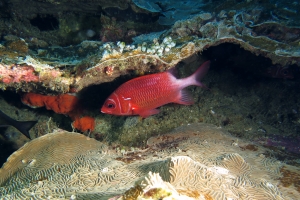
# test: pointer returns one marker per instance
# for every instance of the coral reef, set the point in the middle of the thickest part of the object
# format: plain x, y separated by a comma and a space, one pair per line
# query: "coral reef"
17, 74
257, 38
75, 69
27, 77
45, 23
111, 31
172, 11
184, 40
197, 161
290, 177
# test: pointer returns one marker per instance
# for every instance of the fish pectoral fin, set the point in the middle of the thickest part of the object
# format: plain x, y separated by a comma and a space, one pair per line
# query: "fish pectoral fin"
184, 97
147, 113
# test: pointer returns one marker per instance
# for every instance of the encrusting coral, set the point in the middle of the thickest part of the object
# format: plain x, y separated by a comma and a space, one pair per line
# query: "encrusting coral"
62, 104
84, 124
198, 161
17, 74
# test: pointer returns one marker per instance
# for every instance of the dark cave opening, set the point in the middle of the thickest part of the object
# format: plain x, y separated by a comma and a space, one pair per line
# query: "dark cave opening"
45, 22
243, 62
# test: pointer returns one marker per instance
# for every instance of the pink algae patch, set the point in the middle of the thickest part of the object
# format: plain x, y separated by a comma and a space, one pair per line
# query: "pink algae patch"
17, 74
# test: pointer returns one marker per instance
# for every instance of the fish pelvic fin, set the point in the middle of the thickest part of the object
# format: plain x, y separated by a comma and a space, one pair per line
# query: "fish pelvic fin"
147, 113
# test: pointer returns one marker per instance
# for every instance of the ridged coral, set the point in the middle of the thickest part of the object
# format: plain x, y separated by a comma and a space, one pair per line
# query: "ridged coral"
198, 161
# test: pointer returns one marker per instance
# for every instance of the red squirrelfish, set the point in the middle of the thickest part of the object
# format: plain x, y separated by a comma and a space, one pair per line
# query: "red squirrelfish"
142, 95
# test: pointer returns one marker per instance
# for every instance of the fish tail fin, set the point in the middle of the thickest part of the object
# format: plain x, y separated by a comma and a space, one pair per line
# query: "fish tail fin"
24, 127
195, 78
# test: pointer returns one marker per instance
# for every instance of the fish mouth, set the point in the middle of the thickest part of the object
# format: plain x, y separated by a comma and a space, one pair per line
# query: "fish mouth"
106, 112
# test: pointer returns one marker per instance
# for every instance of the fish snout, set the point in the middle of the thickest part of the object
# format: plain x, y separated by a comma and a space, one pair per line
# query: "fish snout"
106, 111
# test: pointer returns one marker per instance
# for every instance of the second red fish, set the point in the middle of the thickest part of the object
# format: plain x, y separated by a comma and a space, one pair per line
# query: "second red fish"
142, 95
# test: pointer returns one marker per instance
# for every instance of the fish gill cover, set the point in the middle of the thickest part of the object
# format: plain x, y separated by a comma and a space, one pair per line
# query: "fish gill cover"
171, 10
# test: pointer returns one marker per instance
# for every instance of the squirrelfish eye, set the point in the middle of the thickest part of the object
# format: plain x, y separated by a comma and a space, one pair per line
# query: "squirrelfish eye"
110, 105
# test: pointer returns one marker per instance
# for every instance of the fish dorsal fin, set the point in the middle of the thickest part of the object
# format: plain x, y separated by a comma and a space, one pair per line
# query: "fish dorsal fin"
173, 71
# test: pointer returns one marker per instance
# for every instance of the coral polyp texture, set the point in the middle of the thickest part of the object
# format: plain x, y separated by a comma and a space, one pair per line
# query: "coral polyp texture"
198, 161
77, 67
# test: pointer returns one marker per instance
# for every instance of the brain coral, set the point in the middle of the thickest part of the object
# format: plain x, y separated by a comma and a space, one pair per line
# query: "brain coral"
198, 161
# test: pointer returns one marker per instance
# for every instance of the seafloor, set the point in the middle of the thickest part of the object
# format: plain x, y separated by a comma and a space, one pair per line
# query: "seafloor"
239, 140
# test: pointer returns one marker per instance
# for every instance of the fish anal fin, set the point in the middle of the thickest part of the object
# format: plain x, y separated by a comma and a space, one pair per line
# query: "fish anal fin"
184, 97
147, 113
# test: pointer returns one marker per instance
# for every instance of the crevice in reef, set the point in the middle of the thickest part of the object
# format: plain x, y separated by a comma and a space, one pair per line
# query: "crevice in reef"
45, 23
